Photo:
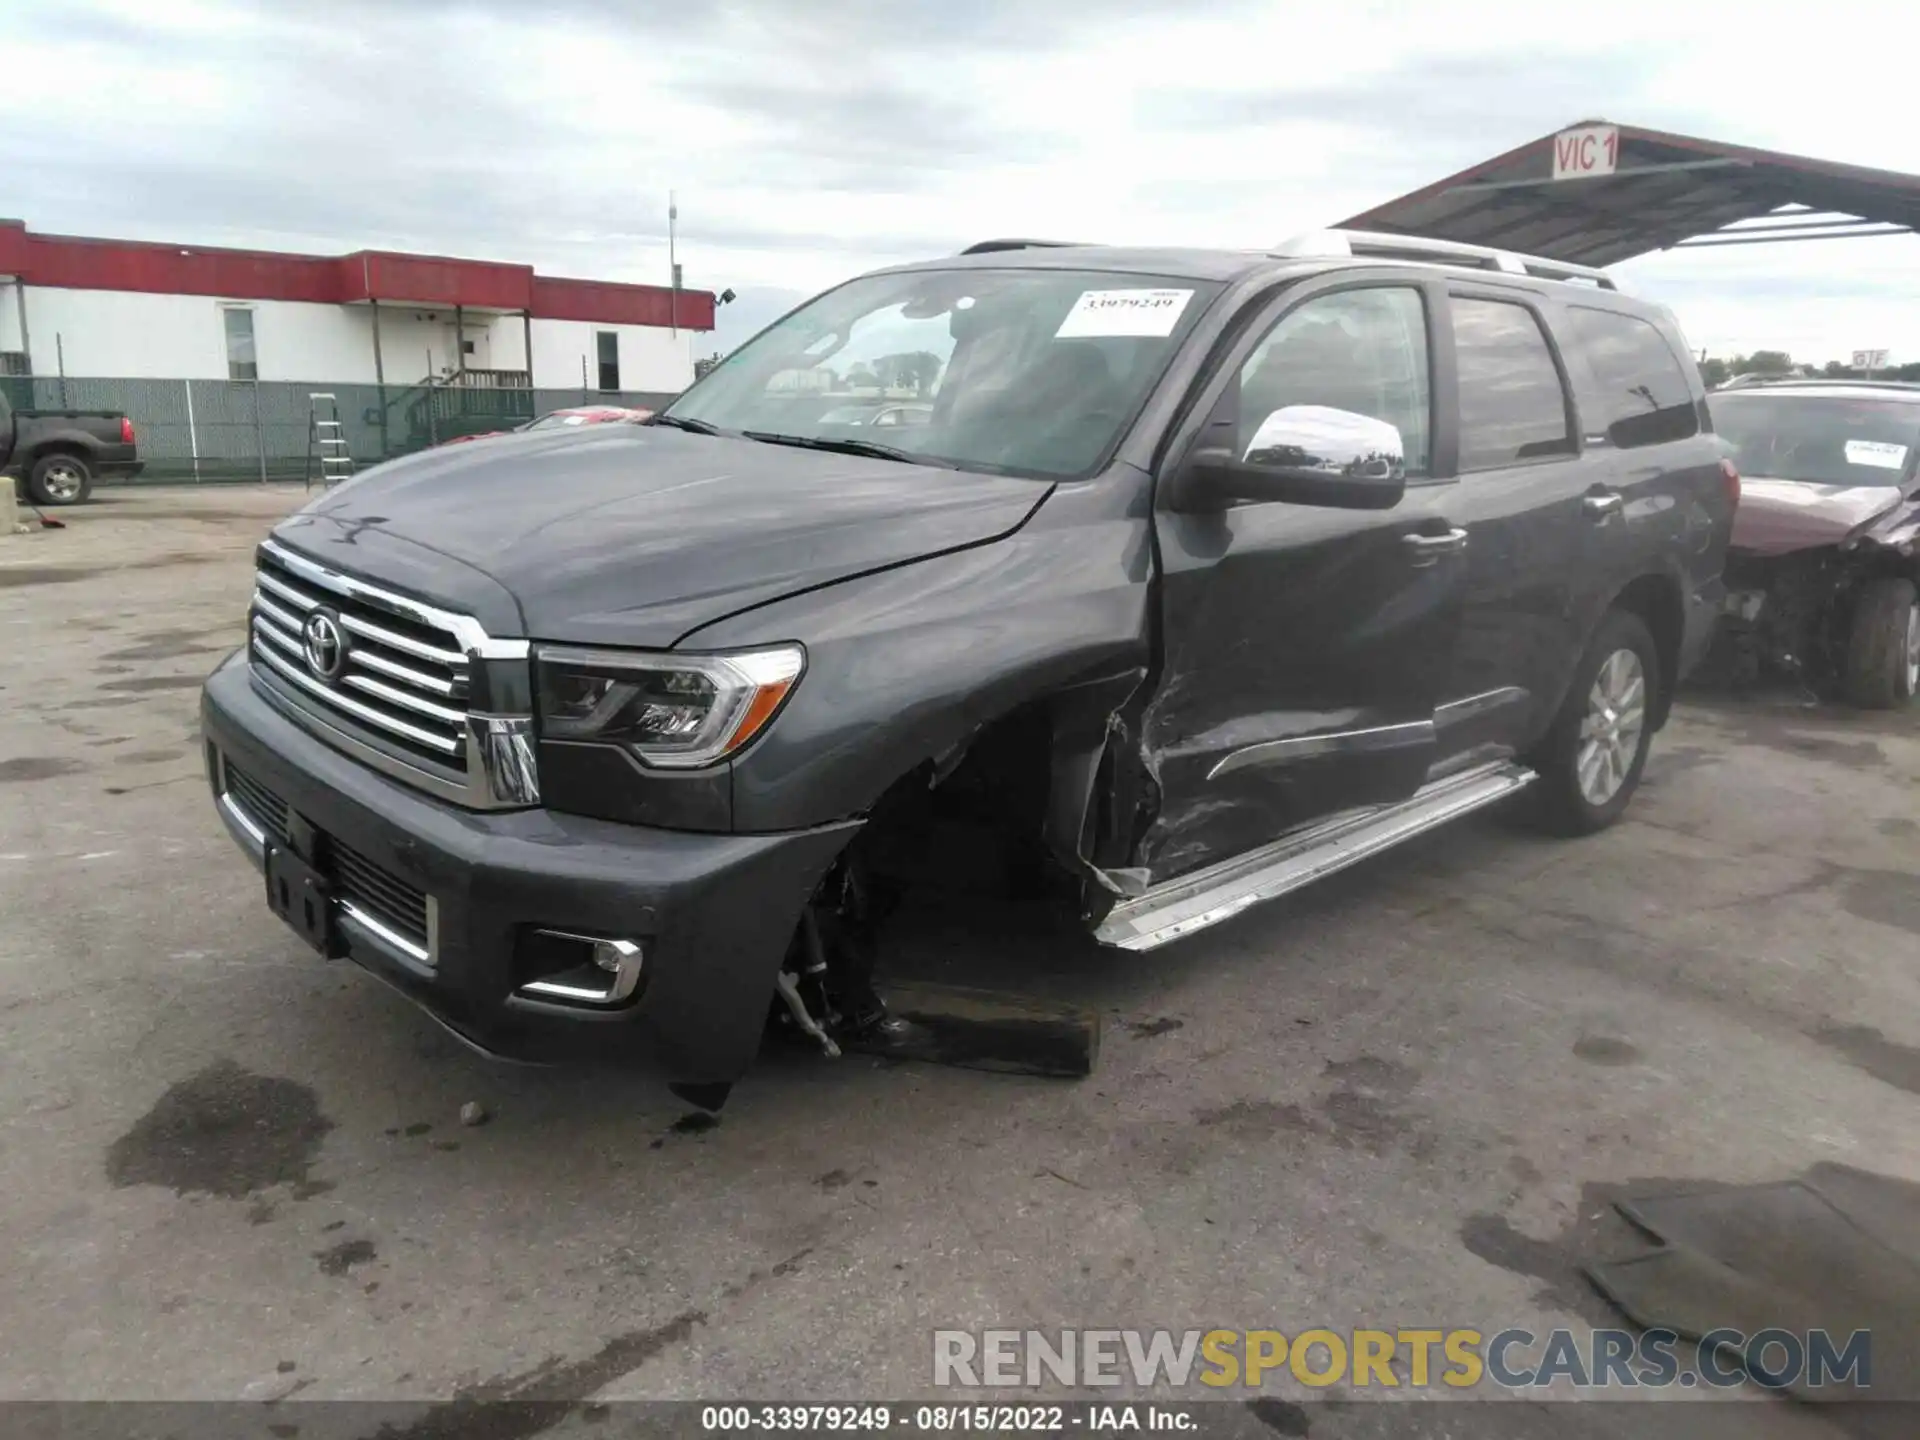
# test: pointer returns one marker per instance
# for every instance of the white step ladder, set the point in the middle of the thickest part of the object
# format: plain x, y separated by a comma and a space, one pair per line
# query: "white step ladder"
328, 459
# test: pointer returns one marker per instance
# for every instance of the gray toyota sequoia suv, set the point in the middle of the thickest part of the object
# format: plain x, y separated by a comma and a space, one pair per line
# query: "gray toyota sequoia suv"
1183, 577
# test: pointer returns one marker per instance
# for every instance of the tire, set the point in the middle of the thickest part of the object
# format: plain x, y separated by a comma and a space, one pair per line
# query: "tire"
1589, 765
61, 478
1883, 645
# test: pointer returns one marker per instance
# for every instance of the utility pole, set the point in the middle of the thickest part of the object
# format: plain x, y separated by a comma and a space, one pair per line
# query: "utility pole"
673, 261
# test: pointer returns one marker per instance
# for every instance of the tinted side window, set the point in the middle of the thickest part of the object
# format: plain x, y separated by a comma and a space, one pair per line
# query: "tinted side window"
1513, 407
1364, 351
1643, 391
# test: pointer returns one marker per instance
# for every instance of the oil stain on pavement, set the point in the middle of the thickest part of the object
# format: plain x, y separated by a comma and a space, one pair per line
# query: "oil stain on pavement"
1887, 897
540, 1398
1898, 1065
339, 1259
224, 1131
1605, 1050
37, 767
1363, 1111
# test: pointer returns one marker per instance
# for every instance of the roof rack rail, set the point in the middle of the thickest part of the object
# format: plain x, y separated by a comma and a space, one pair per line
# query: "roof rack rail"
988, 247
1420, 250
1752, 382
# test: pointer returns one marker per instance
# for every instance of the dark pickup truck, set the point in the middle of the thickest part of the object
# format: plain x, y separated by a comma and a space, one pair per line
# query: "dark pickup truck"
59, 453
1206, 574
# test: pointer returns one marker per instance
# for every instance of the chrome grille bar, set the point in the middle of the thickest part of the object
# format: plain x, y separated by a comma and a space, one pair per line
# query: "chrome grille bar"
467, 632
420, 680
366, 714
398, 692
397, 683
264, 606
402, 642
285, 591
402, 697
385, 636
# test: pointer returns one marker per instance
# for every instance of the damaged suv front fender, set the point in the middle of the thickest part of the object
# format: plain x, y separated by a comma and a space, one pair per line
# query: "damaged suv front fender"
905, 666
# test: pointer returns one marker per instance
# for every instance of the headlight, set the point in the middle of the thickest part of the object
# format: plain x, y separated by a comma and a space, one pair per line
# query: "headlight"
675, 711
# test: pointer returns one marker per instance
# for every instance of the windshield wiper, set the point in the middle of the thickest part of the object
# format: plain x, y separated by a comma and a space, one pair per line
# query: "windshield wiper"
843, 447
680, 422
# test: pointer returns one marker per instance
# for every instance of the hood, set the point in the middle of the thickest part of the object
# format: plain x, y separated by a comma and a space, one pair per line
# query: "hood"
1777, 517
635, 535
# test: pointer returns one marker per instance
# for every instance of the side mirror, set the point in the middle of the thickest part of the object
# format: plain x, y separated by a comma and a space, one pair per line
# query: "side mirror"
1303, 455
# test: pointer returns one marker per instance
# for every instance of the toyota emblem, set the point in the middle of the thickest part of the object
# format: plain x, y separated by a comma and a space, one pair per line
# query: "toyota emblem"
325, 644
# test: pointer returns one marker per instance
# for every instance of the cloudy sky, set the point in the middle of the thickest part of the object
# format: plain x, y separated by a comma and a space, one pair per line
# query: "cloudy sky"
810, 139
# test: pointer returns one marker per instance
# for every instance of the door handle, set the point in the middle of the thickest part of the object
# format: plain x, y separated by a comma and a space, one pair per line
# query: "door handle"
1599, 504
1425, 549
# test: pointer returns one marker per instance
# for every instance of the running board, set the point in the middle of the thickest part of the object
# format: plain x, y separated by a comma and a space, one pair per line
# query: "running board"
1206, 897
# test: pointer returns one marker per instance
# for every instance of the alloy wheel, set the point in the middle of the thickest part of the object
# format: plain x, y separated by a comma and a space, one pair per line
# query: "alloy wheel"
62, 481
1610, 730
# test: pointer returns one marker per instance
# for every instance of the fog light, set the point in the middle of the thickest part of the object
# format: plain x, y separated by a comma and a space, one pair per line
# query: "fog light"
580, 969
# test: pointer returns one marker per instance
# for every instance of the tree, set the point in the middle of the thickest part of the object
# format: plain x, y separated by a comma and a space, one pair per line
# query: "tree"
1763, 362
923, 371
918, 371
1714, 372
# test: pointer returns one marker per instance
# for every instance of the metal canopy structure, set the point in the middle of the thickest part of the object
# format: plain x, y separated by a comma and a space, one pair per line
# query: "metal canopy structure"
1598, 193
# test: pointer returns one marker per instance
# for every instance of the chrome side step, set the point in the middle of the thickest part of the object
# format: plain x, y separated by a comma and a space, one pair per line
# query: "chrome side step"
1206, 897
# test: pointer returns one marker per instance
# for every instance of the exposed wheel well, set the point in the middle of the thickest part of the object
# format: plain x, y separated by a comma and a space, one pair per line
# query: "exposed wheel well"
966, 820
1656, 600
70, 448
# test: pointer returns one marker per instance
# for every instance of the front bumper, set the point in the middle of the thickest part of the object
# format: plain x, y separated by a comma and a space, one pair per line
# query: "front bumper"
712, 913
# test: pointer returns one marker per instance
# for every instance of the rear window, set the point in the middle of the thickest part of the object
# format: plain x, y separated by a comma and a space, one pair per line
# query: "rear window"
1826, 439
1644, 395
1512, 408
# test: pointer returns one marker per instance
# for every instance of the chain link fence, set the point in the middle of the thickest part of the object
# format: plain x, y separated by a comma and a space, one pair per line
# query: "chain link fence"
229, 430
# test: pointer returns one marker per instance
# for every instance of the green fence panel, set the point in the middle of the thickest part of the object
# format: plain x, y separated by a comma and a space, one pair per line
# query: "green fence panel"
235, 430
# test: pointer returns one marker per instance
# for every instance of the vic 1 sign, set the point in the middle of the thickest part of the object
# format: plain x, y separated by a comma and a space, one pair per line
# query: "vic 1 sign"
1590, 150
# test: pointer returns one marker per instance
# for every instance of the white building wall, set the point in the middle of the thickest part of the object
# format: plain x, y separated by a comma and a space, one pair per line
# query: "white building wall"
116, 334
650, 358
296, 341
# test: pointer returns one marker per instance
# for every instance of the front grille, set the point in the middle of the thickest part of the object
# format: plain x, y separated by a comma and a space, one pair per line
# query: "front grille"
383, 894
263, 807
366, 885
403, 684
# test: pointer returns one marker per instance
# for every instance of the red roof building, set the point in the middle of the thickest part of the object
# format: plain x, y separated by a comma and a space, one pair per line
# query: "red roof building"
140, 309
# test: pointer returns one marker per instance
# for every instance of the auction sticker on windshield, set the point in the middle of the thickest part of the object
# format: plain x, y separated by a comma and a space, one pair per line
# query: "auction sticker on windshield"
1123, 312
1877, 453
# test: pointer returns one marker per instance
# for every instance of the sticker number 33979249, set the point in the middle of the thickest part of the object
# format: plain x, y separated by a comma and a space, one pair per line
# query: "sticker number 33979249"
1123, 312
1881, 454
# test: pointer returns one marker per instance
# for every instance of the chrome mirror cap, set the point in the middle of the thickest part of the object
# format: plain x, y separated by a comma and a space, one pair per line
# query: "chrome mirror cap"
1331, 442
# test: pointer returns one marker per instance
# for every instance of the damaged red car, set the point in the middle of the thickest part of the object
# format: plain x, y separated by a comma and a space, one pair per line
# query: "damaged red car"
1823, 577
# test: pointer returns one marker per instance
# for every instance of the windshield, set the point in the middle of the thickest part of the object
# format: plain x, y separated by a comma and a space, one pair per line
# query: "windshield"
1033, 372
1829, 439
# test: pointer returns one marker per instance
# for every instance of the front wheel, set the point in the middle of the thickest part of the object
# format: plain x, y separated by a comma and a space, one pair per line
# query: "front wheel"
1883, 645
1590, 762
59, 479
